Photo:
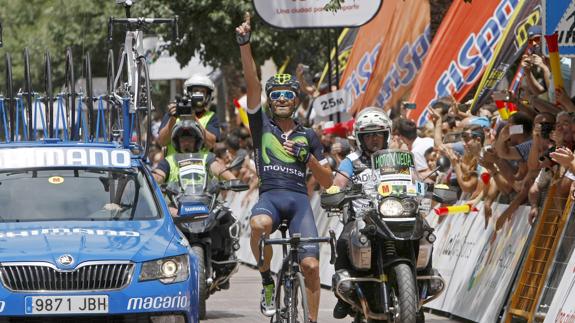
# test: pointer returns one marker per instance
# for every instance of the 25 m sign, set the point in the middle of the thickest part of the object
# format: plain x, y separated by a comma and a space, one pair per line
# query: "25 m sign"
331, 103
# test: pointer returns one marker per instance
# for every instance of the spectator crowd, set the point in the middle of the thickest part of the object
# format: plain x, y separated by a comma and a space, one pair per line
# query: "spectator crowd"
508, 150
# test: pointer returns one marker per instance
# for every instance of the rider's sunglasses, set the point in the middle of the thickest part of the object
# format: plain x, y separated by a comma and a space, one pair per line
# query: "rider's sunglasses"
287, 94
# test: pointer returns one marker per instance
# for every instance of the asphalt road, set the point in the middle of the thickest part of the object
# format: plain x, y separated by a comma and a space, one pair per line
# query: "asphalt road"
240, 303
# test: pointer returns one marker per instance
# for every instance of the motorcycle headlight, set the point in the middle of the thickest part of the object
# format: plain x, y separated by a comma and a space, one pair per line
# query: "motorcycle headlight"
409, 206
391, 207
167, 270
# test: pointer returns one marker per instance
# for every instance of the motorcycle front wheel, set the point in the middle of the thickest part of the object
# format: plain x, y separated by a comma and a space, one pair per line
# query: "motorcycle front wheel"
404, 288
199, 252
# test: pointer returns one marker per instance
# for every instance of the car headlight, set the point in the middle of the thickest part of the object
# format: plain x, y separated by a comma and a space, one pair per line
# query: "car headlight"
391, 207
167, 270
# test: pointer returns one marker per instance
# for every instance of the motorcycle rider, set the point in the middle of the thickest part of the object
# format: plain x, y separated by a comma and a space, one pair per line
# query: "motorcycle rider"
284, 151
199, 89
372, 132
187, 138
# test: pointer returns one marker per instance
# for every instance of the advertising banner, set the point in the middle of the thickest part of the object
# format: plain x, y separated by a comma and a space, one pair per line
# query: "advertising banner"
509, 50
387, 54
312, 13
478, 264
558, 16
344, 45
461, 50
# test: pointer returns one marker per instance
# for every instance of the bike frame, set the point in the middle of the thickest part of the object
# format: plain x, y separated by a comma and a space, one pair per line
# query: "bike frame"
290, 263
132, 53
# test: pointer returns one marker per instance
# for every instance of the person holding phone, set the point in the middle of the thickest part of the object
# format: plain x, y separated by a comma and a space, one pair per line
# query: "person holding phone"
514, 141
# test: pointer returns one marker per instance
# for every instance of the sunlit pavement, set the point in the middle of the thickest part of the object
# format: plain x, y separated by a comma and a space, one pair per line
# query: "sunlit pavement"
241, 302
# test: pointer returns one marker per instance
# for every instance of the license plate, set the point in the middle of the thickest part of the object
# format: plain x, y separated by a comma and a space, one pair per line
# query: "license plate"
66, 304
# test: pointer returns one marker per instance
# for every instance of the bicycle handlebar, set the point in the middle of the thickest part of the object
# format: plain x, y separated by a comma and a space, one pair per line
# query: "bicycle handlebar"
144, 21
295, 241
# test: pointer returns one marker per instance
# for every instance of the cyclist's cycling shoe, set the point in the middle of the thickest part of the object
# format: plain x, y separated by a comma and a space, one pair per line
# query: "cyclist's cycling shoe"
341, 309
267, 305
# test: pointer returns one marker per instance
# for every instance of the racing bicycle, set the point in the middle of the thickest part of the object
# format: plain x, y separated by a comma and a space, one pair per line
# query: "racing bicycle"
130, 86
292, 306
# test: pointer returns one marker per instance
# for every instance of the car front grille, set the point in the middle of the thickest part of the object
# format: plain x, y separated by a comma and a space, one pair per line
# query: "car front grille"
45, 277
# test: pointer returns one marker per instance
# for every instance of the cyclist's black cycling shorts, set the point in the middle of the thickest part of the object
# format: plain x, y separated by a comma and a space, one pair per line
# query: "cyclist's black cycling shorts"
286, 204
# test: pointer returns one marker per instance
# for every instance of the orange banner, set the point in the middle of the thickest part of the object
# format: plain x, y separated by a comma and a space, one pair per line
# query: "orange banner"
460, 51
387, 54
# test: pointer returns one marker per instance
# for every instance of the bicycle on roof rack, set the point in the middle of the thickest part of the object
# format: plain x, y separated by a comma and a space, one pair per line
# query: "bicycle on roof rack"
27, 115
129, 99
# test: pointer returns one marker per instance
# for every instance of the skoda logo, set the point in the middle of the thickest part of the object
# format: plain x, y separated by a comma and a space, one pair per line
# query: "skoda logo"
66, 260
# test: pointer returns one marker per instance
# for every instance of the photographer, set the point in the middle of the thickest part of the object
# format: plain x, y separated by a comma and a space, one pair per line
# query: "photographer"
198, 91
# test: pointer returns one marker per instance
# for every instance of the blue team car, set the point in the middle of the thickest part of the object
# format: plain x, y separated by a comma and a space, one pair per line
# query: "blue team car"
86, 235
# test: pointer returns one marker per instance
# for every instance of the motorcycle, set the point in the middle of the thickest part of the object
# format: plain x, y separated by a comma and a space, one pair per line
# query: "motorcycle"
389, 243
211, 229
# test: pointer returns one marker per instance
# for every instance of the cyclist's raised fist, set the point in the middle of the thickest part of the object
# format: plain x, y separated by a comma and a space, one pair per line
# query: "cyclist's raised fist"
243, 32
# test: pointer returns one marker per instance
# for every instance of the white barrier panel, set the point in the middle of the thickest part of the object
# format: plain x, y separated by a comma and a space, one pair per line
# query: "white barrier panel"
563, 305
477, 263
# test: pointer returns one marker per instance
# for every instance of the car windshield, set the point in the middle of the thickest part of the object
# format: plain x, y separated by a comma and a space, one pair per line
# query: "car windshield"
75, 194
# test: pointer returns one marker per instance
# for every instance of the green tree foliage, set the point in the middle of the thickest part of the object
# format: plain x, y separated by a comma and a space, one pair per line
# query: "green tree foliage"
207, 29
54, 25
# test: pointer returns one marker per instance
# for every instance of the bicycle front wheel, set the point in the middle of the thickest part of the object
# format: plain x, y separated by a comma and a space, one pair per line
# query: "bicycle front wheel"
299, 310
142, 126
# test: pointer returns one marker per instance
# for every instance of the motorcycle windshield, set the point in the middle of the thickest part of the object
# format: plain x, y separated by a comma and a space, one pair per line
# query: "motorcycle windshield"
193, 176
396, 174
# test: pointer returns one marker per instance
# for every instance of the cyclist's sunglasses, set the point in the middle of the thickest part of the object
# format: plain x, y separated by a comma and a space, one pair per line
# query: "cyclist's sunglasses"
287, 94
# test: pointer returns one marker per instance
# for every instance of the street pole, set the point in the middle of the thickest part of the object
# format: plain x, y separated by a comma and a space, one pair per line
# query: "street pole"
337, 67
329, 70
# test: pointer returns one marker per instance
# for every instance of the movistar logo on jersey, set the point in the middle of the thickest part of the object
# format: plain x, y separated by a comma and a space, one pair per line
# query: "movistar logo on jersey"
272, 146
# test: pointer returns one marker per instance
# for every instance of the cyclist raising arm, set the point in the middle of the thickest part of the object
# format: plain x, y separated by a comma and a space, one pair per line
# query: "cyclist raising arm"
284, 150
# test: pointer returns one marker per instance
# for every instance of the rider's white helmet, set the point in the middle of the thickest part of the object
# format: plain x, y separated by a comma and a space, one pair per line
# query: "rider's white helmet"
371, 120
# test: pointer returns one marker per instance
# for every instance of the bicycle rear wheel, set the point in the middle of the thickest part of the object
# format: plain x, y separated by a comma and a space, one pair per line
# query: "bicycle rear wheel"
9, 99
299, 307
49, 95
142, 126
27, 93
70, 96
